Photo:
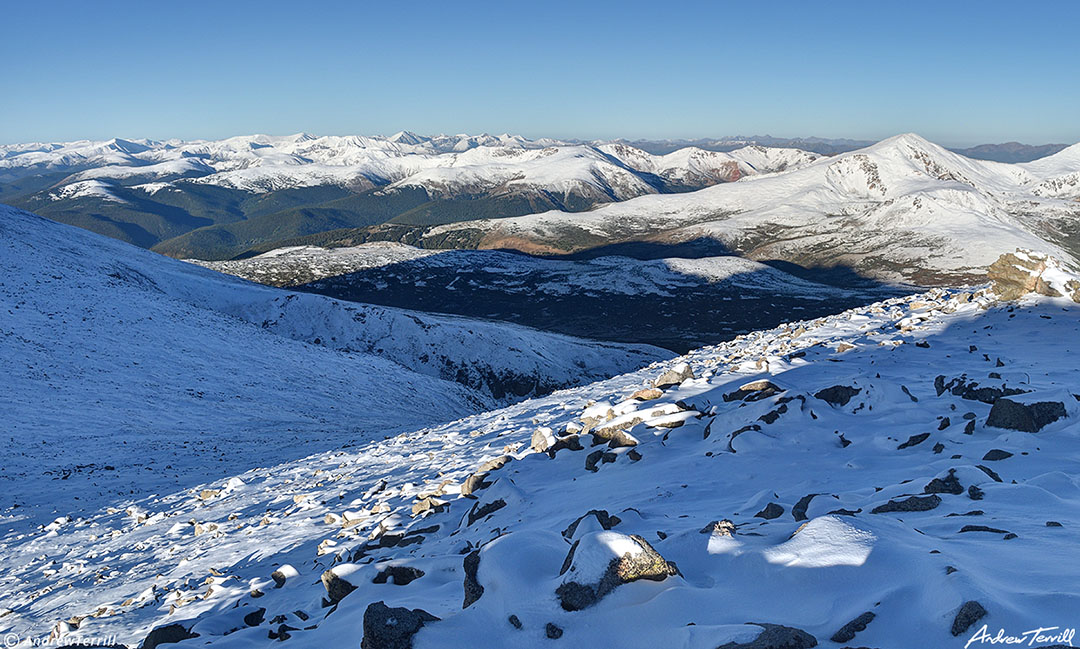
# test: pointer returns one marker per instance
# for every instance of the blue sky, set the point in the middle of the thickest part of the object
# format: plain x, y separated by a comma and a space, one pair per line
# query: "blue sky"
959, 73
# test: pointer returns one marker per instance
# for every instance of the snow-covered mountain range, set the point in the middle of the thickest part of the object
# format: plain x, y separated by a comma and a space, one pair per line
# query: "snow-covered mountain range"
895, 476
902, 209
217, 199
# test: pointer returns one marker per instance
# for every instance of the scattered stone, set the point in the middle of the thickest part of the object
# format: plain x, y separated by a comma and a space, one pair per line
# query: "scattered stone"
337, 584
974, 492
945, 423
479, 511
994, 455
1053, 524
753, 391
392, 628
207, 494
552, 631
988, 471
848, 631
256, 617
473, 589
912, 504
720, 528
947, 485
429, 504
969, 428
938, 448
607, 521
478, 479
168, 634
775, 636
283, 574
592, 459
674, 376
798, 512
514, 622
913, 441
648, 394
572, 442
1026, 417
970, 613
401, 575
843, 347
771, 511
982, 528
837, 395
542, 440
639, 561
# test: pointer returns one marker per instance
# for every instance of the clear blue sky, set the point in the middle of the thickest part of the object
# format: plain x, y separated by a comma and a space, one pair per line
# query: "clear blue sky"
959, 73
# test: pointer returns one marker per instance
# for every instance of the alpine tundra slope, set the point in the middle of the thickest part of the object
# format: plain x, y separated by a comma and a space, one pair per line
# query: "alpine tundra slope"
898, 475
130, 373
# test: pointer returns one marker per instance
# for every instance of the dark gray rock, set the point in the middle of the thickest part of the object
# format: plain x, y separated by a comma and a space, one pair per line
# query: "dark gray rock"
592, 459
771, 511
168, 634
479, 511
1026, 417
552, 631
401, 575
975, 493
988, 471
982, 528
1053, 524
996, 454
914, 440
947, 485
473, 589
279, 578
970, 613
392, 628
255, 618
798, 512
606, 520
848, 631
514, 622
837, 395
775, 636
912, 504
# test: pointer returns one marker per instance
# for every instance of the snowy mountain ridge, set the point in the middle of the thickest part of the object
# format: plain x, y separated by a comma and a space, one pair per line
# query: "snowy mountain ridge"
902, 209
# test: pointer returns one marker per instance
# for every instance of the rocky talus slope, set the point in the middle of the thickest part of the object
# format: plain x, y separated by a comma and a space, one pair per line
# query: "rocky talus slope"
899, 475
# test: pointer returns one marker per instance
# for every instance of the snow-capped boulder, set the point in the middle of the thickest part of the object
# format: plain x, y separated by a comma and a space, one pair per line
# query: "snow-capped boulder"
392, 628
1029, 413
601, 561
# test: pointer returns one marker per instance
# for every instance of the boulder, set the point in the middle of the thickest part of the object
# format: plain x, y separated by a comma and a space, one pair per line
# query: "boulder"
1030, 417
648, 394
674, 376
848, 631
771, 511
775, 636
719, 528
392, 628
168, 634
479, 511
970, 613
337, 582
605, 520
996, 455
912, 504
401, 575
601, 561
754, 391
479, 479
1014, 275
473, 589
947, 485
837, 395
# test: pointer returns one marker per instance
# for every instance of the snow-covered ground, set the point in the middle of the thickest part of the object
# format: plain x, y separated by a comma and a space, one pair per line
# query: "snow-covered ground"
845, 469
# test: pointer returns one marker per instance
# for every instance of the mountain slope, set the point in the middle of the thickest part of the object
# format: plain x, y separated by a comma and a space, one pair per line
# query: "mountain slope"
901, 209
116, 355
858, 480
